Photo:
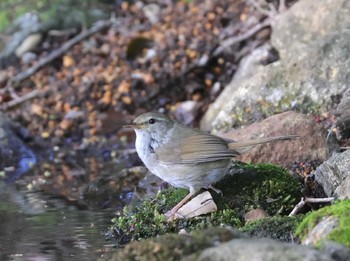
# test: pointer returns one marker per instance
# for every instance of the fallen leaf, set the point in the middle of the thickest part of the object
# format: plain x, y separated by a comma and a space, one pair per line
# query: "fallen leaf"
68, 61
200, 205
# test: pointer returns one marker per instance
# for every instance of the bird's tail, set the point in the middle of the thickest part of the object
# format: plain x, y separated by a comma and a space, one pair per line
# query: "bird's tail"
244, 146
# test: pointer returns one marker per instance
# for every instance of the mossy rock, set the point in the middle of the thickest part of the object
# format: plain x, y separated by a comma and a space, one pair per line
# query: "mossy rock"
340, 234
279, 227
247, 187
175, 246
144, 219
261, 186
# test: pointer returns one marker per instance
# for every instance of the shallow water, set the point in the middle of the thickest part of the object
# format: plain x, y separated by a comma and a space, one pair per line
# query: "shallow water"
38, 227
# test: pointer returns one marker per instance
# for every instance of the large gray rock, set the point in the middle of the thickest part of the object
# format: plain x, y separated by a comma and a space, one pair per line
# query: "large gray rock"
217, 244
338, 251
174, 246
296, 29
315, 70
260, 250
334, 175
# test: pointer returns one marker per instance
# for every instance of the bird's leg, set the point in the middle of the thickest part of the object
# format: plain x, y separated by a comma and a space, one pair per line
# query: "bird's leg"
218, 191
171, 214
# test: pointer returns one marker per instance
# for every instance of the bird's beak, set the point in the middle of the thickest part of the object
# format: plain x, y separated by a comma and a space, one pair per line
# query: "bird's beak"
129, 126
133, 126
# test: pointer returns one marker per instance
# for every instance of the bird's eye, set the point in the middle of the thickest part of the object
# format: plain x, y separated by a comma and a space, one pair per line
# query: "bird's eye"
151, 121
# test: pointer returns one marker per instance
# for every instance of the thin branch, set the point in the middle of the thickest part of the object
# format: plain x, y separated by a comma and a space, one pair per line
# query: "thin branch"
20, 100
260, 9
303, 201
236, 39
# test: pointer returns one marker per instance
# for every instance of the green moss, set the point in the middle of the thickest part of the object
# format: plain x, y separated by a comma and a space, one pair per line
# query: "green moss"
263, 107
340, 234
4, 20
145, 219
170, 197
141, 221
265, 186
50, 12
278, 227
308, 106
12, 9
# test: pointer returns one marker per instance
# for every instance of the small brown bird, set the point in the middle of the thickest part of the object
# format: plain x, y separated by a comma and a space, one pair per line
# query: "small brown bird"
186, 157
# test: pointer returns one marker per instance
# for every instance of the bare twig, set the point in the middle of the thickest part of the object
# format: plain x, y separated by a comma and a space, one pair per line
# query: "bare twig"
14, 82
20, 100
261, 9
309, 200
236, 39
271, 12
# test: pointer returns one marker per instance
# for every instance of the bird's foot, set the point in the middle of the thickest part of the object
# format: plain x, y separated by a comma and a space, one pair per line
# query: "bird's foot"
218, 191
172, 215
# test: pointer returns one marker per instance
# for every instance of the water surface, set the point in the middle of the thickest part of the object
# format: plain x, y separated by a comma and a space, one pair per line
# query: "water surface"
38, 227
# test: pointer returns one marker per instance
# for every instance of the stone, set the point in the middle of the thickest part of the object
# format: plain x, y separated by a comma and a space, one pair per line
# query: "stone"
29, 44
300, 29
337, 251
343, 190
321, 230
248, 67
333, 175
306, 80
309, 147
327, 223
216, 244
259, 250
175, 246
255, 214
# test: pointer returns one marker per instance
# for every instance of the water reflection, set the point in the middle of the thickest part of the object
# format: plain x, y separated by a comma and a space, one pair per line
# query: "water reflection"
36, 227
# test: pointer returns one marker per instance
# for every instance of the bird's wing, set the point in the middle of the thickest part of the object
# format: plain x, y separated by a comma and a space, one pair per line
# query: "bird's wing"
193, 147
